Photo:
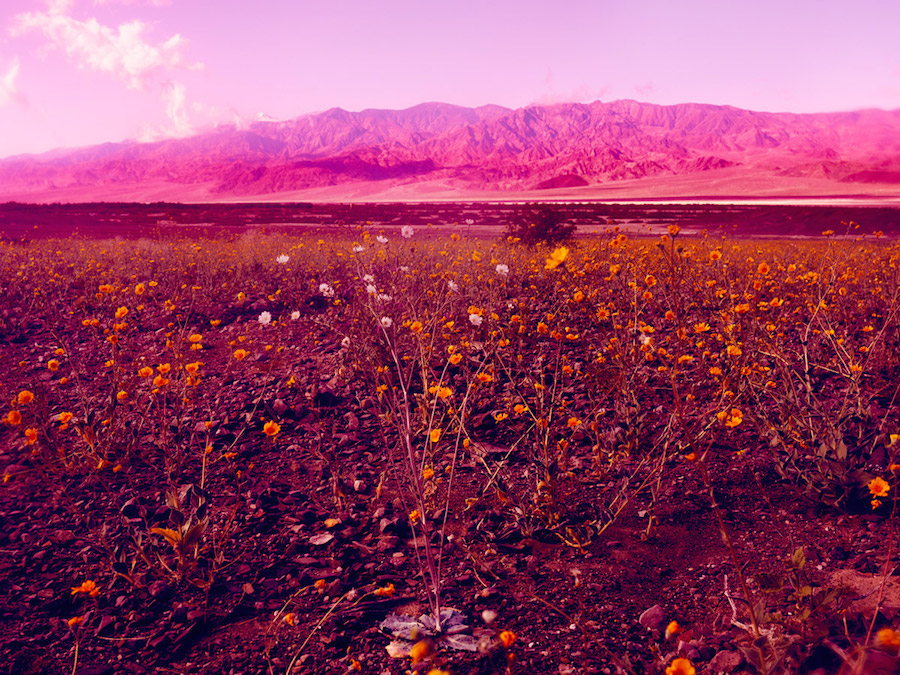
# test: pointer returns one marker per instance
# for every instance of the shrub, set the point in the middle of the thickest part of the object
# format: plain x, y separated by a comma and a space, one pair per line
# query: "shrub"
540, 224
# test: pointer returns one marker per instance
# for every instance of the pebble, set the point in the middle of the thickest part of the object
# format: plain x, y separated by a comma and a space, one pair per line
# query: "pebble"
653, 618
725, 662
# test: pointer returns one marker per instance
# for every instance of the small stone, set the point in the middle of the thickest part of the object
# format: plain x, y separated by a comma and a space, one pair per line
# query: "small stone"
653, 618
62, 537
159, 589
725, 662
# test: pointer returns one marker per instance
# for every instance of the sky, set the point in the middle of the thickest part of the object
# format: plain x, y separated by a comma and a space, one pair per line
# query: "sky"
81, 72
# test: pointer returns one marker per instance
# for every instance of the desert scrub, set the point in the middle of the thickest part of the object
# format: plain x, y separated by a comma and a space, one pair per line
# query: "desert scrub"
569, 382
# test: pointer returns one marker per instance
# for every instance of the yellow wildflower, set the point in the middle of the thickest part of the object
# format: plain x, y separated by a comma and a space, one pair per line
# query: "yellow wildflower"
557, 258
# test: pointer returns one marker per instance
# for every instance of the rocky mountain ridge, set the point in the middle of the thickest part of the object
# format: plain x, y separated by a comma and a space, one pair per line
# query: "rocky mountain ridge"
487, 149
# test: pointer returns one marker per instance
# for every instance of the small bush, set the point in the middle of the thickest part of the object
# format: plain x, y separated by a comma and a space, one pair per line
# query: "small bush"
540, 224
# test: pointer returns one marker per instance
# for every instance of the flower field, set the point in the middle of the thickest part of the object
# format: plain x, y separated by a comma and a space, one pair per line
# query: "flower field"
386, 452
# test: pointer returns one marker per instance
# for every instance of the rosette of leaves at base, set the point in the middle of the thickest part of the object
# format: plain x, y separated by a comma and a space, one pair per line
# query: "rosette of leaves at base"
408, 630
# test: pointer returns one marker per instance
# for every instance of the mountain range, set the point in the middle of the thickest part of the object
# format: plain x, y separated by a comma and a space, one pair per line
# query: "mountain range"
436, 150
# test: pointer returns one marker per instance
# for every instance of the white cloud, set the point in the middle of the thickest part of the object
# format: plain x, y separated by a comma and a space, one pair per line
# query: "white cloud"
179, 123
9, 90
123, 51
176, 110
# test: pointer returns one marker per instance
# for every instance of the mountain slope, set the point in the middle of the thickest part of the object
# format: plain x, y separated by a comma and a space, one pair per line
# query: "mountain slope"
473, 149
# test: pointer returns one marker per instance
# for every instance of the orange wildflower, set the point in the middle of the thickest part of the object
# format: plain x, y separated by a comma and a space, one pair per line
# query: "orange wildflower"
888, 637
25, 397
385, 591
879, 487
88, 588
681, 667
507, 638
271, 429
421, 650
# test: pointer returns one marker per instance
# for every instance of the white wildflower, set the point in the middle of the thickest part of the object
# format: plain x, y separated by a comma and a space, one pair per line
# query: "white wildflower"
469, 221
404, 268
475, 319
264, 318
369, 279
453, 286
282, 259
359, 249
326, 290
371, 290
502, 269
383, 297
345, 342
407, 231
381, 239
295, 315
386, 322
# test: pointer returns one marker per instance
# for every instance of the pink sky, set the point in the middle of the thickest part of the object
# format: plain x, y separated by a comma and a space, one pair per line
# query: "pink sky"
79, 72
